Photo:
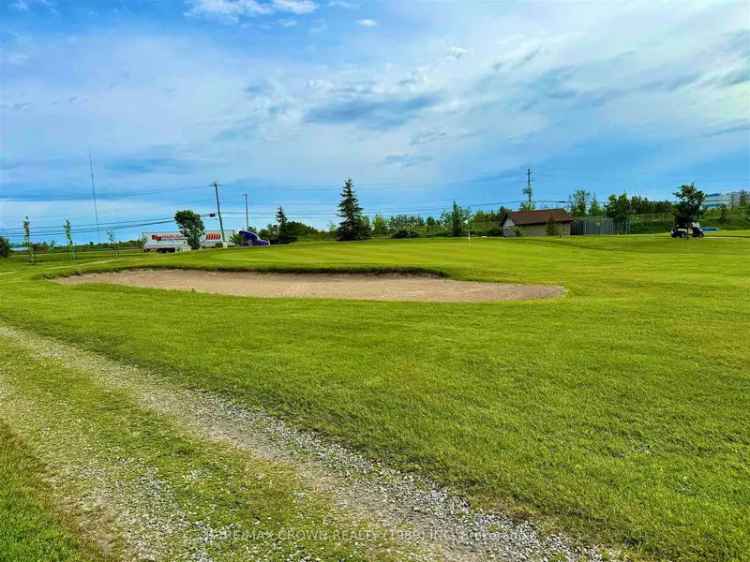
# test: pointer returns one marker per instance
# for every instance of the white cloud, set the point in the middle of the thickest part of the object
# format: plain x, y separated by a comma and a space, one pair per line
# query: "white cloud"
288, 22
406, 160
298, 7
233, 10
367, 23
343, 4
26, 5
457, 52
230, 10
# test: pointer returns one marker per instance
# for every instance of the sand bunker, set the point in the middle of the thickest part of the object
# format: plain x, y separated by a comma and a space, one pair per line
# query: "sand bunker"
322, 286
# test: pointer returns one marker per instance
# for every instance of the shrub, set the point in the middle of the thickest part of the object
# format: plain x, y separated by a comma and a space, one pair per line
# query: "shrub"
405, 234
283, 240
4, 248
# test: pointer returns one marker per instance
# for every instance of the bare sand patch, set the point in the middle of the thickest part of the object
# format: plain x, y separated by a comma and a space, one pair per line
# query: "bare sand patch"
351, 286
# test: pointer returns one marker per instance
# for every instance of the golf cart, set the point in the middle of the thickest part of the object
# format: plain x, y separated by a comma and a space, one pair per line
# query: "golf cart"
687, 230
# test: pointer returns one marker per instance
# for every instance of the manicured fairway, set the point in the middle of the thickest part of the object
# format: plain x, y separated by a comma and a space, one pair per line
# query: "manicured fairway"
620, 412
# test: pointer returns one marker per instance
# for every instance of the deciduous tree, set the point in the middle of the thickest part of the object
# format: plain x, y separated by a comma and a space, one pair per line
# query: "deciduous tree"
579, 202
69, 237
595, 209
379, 225
191, 226
618, 207
27, 239
455, 218
689, 206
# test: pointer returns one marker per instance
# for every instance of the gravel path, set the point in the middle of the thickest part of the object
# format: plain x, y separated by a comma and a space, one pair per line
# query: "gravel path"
414, 511
122, 504
320, 285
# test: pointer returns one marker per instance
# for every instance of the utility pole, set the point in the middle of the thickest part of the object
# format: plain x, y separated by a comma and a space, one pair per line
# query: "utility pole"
218, 211
247, 216
528, 190
93, 193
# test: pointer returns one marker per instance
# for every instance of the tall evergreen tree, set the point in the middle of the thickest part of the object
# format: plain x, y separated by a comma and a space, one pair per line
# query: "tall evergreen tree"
353, 226
285, 236
457, 220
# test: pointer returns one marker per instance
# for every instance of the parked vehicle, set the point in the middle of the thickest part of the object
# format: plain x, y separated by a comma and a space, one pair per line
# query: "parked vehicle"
686, 231
171, 242
165, 242
251, 239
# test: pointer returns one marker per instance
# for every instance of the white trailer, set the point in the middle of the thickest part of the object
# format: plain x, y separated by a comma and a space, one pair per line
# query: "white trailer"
165, 242
171, 242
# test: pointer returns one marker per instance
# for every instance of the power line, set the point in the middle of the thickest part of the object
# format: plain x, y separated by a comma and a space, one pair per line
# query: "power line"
297, 212
117, 224
84, 229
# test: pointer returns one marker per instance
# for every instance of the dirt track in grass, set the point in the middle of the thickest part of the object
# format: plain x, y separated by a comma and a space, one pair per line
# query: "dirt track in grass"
426, 521
323, 286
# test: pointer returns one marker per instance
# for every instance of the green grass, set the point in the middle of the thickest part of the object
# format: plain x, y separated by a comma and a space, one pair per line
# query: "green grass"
255, 499
728, 232
31, 528
619, 412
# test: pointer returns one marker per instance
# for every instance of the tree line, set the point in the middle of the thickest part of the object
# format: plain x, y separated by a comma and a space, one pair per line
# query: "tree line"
356, 225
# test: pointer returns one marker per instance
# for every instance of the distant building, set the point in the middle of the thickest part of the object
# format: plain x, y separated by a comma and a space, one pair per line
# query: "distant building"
717, 200
534, 223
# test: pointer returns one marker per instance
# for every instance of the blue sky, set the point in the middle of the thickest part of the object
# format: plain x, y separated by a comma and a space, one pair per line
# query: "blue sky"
419, 102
